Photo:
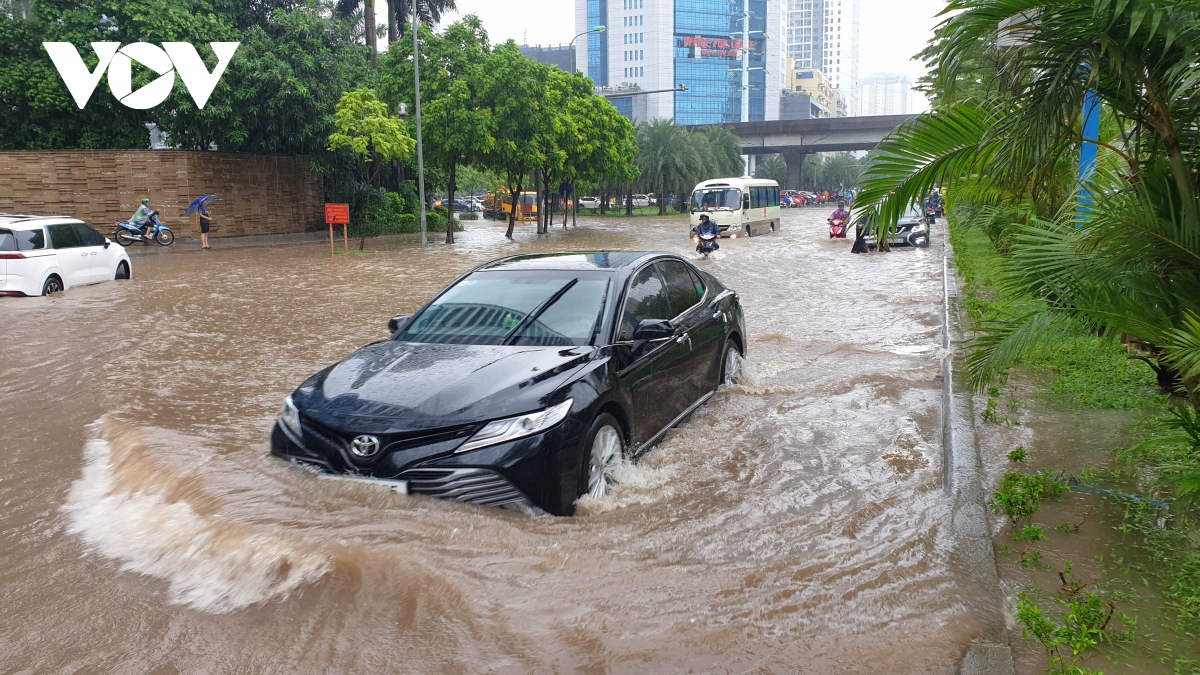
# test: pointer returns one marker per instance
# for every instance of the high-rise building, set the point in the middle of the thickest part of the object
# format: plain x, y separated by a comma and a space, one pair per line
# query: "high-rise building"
826, 100
823, 34
659, 44
562, 56
885, 94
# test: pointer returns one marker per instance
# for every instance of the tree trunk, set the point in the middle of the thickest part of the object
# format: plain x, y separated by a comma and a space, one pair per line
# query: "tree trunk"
512, 213
629, 202
369, 27
574, 205
450, 186
393, 33
662, 201
603, 203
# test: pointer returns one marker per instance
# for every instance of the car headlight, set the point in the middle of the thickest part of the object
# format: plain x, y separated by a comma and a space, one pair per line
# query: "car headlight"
289, 416
501, 431
921, 228
733, 236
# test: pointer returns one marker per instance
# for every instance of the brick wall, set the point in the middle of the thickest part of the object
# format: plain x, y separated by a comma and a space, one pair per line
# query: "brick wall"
255, 194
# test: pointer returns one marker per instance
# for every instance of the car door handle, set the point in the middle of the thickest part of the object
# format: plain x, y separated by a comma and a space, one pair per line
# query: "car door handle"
682, 337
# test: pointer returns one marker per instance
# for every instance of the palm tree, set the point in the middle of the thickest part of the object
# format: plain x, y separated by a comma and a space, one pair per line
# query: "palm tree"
1124, 261
668, 158
772, 168
429, 12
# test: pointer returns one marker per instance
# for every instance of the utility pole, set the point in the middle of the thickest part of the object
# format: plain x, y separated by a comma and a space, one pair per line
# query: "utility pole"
420, 151
745, 60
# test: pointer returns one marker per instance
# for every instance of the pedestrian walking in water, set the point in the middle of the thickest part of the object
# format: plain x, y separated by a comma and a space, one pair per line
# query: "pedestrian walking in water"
205, 223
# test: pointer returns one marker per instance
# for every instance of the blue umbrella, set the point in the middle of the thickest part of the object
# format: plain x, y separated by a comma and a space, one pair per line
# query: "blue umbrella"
196, 204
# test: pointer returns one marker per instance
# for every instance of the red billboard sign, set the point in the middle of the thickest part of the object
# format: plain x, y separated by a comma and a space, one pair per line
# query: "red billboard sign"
337, 214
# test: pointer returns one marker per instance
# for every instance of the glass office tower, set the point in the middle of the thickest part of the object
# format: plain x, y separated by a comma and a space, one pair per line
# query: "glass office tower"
708, 36
655, 45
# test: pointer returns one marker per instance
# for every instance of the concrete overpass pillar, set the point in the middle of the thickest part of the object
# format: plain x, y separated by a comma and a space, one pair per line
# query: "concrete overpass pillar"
795, 167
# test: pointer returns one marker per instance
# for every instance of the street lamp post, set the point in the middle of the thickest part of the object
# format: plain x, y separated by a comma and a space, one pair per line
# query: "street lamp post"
594, 29
420, 151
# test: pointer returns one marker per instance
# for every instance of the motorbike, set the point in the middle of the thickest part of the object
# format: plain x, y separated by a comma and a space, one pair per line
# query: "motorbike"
707, 242
931, 214
837, 228
126, 233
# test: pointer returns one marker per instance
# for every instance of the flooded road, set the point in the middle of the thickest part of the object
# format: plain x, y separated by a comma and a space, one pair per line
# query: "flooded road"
796, 524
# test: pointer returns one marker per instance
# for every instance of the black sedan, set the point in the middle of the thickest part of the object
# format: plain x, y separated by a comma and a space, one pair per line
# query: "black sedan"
527, 380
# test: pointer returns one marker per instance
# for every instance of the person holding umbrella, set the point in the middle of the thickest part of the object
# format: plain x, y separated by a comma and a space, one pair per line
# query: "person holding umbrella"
201, 205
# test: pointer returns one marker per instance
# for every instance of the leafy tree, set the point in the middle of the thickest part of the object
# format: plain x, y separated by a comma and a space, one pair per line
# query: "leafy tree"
605, 145
456, 128
583, 136
514, 88
364, 127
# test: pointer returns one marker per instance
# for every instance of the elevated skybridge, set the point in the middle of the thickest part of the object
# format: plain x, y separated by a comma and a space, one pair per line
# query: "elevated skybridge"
794, 139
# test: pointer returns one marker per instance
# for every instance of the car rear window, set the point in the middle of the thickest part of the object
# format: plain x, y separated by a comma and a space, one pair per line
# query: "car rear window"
22, 240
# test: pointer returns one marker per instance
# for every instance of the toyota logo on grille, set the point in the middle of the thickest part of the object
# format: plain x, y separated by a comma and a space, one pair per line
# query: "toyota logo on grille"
364, 446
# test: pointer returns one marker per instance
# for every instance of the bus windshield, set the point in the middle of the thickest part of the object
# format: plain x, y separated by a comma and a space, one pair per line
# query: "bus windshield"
716, 199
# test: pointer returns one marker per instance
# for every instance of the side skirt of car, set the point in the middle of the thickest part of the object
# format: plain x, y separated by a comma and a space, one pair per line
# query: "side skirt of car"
671, 425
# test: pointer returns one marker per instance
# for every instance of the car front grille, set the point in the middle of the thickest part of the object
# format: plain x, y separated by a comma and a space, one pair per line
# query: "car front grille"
473, 486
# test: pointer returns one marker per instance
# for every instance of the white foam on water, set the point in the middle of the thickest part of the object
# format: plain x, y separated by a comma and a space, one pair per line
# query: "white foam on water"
126, 508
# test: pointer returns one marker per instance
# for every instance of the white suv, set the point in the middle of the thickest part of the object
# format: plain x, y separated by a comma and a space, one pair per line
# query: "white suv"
40, 255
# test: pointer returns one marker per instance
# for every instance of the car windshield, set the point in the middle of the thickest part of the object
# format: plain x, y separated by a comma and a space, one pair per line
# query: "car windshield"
715, 199
540, 308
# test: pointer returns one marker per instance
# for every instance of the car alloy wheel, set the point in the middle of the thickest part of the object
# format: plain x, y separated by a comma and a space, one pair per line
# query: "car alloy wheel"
604, 456
731, 364
122, 271
53, 285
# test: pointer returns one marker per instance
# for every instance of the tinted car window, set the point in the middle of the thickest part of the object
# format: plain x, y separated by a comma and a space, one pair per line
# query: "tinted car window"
64, 236
26, 240
88, 236
646, 299
7, 241
681, 288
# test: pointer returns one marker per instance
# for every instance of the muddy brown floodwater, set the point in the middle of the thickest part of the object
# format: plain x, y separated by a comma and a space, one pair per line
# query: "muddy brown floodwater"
796, 524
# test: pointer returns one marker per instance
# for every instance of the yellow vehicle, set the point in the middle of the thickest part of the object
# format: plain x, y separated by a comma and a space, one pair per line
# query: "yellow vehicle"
497, 206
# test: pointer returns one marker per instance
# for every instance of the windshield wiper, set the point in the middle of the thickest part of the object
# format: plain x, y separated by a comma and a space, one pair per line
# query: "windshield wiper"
537, 311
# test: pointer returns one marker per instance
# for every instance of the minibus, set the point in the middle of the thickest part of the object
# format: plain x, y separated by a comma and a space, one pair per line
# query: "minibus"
739, 206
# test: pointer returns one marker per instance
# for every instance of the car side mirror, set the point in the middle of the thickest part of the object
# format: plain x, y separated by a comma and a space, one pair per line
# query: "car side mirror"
650, 330
653, 329
107, 243
395, 322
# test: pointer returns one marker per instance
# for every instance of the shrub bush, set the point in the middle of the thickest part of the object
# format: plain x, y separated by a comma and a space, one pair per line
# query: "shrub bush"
468, 215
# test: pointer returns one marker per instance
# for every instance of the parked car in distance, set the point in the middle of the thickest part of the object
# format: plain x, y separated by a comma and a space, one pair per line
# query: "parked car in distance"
528, 380
589, 202
40, 255
641, 200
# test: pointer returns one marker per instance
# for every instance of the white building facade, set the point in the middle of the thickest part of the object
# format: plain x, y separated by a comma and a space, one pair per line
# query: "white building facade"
824, 34
885, 94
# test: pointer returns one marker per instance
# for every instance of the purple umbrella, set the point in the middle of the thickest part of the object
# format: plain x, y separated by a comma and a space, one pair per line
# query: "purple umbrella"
196, 204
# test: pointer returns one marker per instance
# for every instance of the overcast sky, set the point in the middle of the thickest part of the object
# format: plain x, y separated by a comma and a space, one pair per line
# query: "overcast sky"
891, 31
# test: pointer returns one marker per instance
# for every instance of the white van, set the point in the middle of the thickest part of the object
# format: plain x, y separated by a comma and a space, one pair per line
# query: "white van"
740, 206
41, 255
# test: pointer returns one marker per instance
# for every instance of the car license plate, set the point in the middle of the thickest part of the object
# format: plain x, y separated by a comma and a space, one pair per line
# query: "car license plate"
398, 486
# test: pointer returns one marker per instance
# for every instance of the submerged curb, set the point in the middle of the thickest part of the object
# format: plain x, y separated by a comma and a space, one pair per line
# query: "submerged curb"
963, 481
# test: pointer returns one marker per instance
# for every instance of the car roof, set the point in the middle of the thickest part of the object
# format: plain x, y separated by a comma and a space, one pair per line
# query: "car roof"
17, 221
576, 260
